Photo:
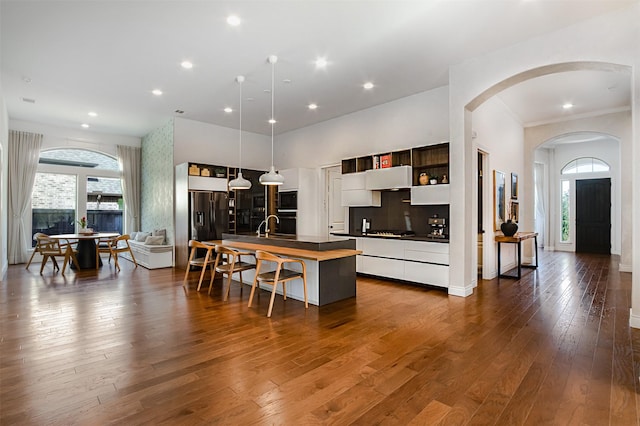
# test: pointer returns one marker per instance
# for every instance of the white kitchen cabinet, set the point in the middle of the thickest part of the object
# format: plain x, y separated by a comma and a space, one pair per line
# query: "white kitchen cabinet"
354, 193
200, 183
307, 184
430, 194
361, 198
388, 178
421, 262
426, 273
383, 267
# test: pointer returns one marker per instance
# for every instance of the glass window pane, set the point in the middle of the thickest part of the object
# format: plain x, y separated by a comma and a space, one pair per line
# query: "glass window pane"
79, 158
584, 165
53, 204
600, 166
569, 168
565, 202
104, 204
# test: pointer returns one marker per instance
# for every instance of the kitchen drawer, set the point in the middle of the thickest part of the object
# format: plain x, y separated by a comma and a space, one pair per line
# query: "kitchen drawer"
383, 247
425, 256
426, 273
390, 268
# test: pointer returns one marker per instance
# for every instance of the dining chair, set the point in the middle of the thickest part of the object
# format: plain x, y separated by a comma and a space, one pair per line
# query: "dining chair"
203, 262
280, 274
229, 261
114, 246
52, 248
36, 249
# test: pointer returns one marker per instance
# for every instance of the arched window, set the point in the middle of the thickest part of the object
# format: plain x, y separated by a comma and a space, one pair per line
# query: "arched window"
72, 183
585, 165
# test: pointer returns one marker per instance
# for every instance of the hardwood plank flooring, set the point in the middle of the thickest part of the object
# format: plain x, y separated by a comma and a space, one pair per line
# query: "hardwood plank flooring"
135, 347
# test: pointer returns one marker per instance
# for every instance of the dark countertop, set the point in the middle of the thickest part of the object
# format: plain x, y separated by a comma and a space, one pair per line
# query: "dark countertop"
409, 238
303, 242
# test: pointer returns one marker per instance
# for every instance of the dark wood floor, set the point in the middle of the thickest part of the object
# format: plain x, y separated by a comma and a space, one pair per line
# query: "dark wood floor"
135, 347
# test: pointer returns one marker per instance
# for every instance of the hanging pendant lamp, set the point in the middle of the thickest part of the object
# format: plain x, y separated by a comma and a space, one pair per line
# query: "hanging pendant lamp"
272, 177
240, 182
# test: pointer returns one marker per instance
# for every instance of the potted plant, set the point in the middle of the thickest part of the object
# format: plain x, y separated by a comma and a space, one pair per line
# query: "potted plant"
433, 180
220, 172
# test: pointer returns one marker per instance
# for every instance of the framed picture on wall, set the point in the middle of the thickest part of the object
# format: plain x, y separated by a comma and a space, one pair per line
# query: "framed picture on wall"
499, 199
514, 186
515, 211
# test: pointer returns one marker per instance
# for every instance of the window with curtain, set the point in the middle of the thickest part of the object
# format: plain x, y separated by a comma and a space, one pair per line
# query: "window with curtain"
74, 183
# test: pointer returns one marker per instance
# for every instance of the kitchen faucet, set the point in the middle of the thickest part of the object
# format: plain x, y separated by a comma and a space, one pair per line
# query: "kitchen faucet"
266, 225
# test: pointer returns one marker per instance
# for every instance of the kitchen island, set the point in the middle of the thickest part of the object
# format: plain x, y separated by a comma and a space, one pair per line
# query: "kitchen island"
330, 263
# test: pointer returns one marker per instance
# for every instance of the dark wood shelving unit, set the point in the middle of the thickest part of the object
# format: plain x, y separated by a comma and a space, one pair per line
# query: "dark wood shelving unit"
366, 162
432, 160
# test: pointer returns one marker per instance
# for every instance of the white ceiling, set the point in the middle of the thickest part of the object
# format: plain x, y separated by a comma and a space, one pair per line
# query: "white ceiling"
72, 57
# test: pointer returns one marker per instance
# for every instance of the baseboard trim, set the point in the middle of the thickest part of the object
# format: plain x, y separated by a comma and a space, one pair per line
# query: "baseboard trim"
461, 291
634, 320
625, 268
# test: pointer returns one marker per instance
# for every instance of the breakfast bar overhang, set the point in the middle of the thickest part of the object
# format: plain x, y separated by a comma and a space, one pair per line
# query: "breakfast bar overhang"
330, 263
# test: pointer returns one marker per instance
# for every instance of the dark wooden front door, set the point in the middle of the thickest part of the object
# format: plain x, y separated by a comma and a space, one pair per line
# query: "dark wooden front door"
593, 216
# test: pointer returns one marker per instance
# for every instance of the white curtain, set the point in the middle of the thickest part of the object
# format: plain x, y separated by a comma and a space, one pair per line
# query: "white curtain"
24, 154
129, 158
539, 201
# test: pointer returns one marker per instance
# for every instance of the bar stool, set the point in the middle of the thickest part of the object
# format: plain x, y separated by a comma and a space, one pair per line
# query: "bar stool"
233, 264
203, 262
281, 274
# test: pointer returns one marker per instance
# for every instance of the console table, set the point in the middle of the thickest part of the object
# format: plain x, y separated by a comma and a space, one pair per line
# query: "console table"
518, 238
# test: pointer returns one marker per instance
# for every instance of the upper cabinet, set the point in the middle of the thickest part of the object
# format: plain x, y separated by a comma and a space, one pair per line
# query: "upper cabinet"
388, 178
424, 169
432, 163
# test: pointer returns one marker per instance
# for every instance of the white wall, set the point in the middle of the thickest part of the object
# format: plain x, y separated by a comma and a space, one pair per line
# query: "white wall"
4, 175
421, 119
500, 134
617, 125
62, 137
609, 39
205, 143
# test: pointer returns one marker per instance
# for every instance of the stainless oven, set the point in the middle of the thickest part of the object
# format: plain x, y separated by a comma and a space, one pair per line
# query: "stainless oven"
288, 200
287, 223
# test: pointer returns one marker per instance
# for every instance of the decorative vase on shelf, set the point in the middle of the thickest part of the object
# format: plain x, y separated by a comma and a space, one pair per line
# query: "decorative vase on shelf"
433, 181
423, 179
444, 179
509, 228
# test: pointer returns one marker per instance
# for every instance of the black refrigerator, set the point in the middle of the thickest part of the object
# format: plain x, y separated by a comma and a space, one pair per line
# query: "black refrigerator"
208, 215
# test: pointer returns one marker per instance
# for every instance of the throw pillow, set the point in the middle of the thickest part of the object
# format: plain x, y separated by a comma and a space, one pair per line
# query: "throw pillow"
154, 241
132, 236
141, 236
160, 232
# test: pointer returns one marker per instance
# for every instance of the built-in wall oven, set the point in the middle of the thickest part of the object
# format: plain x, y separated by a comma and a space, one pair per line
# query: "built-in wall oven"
287, 212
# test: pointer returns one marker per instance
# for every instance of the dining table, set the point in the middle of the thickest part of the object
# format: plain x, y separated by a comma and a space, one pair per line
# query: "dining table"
86, 246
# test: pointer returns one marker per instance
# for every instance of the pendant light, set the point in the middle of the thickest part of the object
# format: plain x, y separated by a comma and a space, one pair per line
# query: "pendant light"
272, 178
240, 182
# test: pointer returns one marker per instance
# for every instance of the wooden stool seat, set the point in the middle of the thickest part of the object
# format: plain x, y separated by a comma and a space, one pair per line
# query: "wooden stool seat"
280, 274
233, 263
203, 262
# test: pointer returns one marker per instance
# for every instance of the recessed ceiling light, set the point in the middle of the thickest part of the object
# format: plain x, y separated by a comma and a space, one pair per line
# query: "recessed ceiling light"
368, 85
228, 110
568, 105
272, 121
321, 63
250, 99
234, 20
287, 81
312, 106
29, 100
85, 125
93, 114
186, 65
157, 92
